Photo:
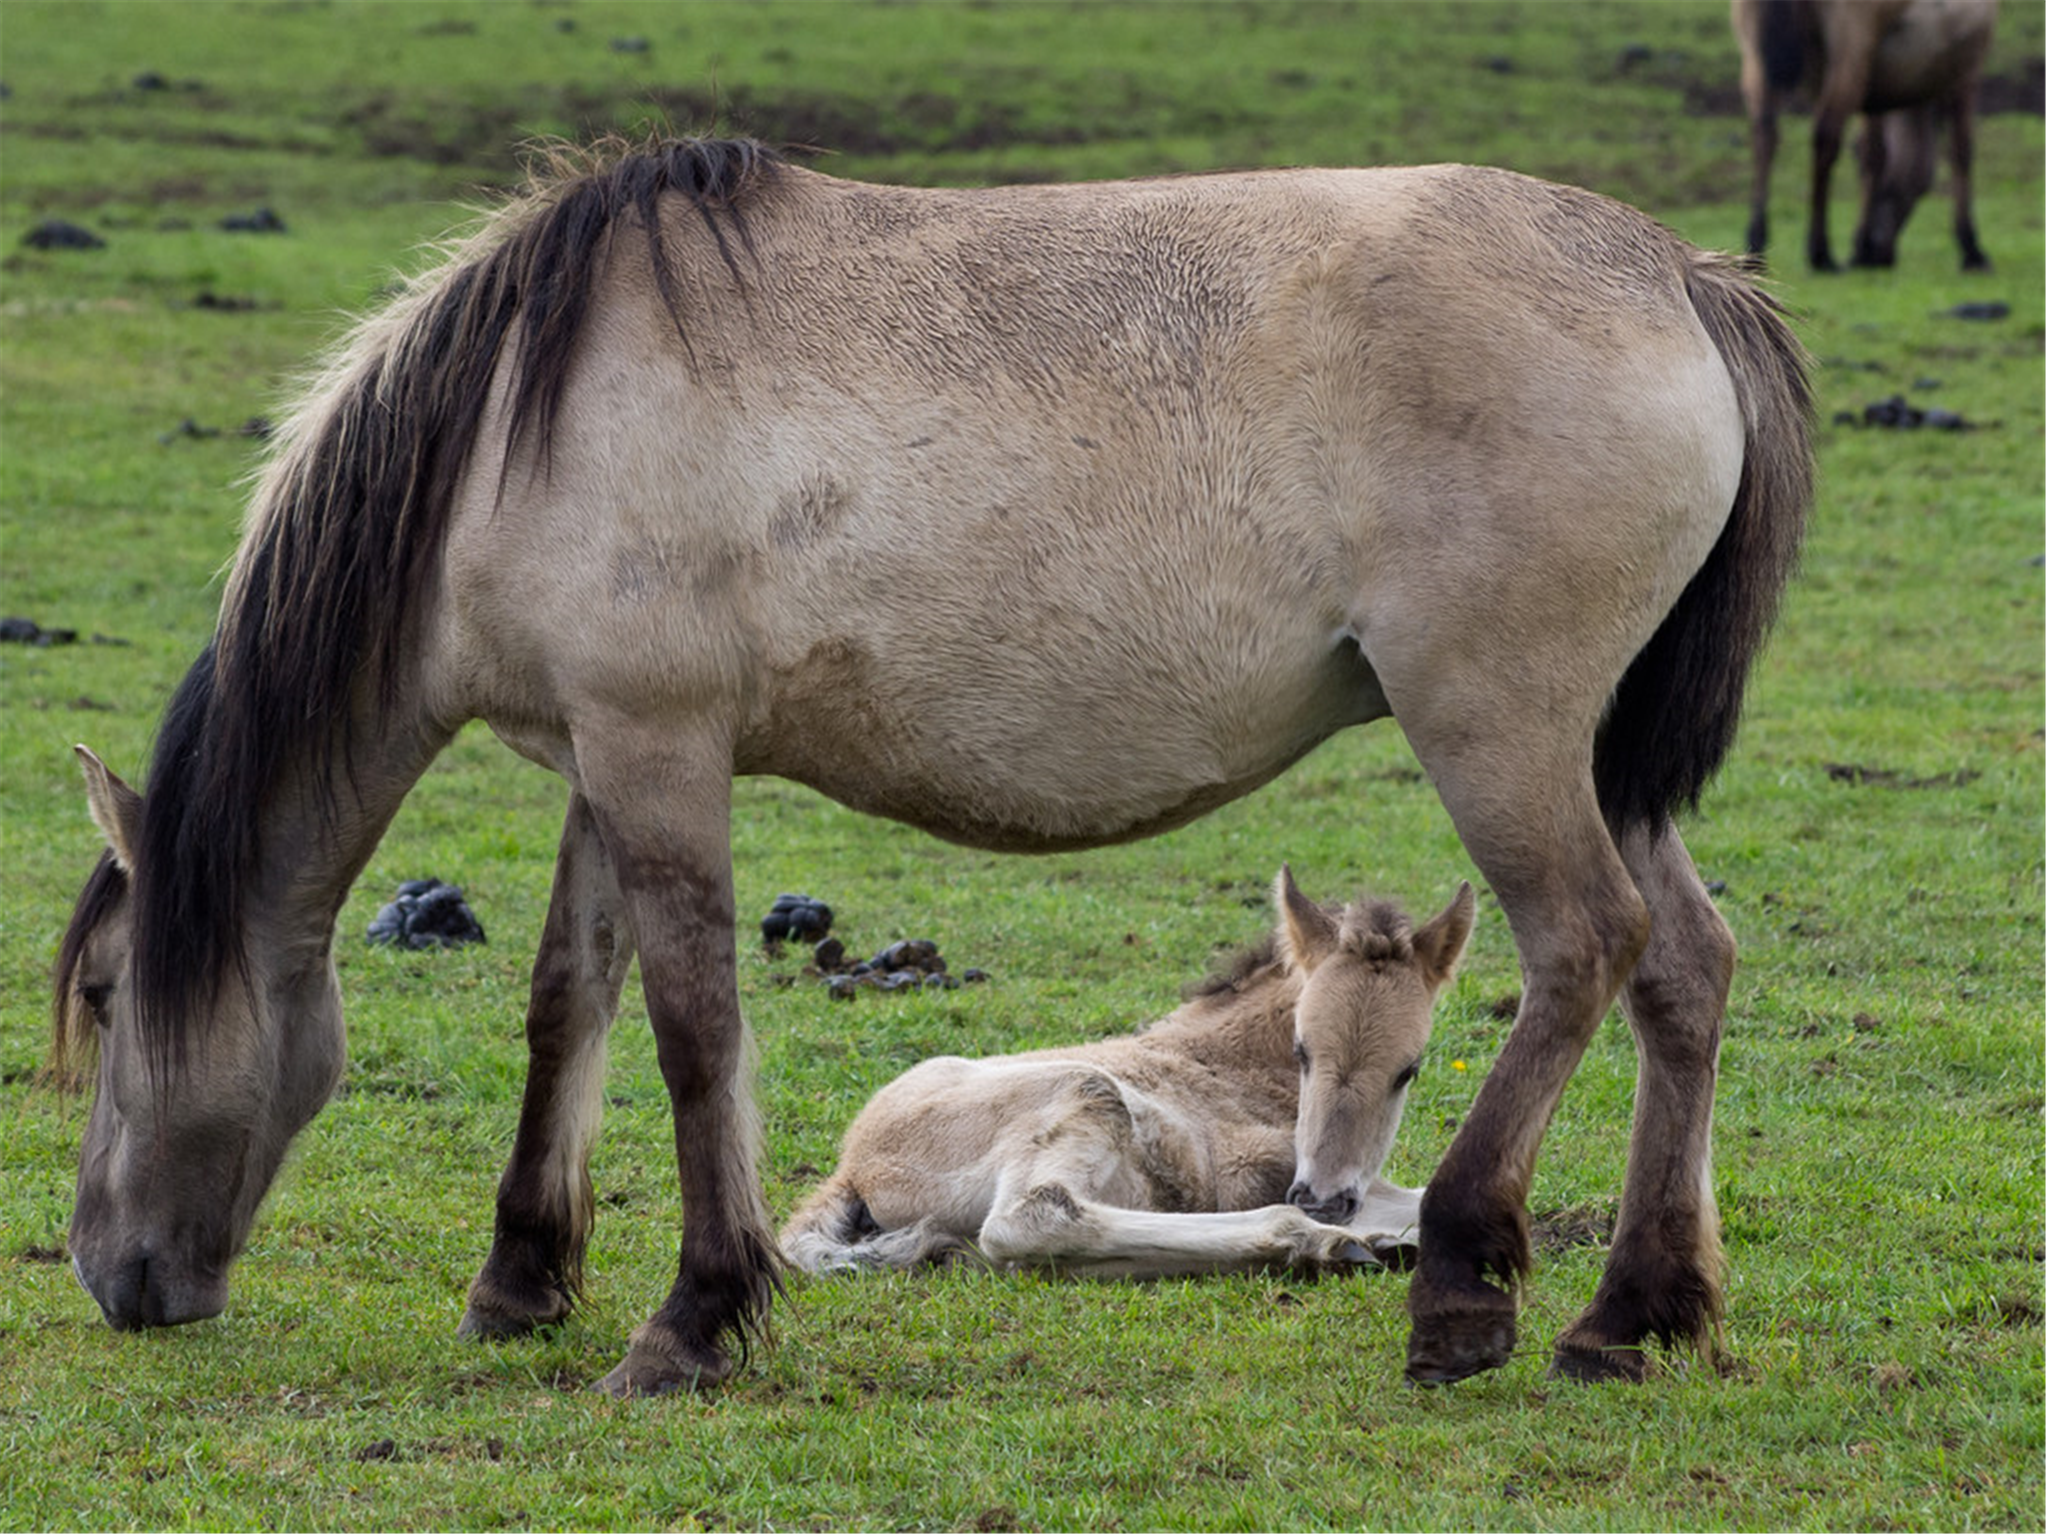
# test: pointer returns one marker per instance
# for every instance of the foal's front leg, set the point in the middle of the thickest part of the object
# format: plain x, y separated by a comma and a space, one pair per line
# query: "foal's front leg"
663, 808
544, 1202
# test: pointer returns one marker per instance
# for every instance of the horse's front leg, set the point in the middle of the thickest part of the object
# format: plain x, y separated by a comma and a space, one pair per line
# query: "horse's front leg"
544, 1202
1662, 1276
1840, 97
663, 806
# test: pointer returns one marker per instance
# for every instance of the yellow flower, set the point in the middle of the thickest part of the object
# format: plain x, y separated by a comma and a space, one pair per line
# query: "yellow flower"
1458, 1065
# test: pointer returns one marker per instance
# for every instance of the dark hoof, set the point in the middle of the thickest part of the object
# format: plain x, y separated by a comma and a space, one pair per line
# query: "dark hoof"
1588, 1365
1443, 1351
648, 1370
1459, 1330
1398, 1253
491, 1326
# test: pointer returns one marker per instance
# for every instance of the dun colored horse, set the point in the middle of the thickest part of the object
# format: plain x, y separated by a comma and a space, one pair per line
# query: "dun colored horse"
1910, 65
1246, 1130
1036, 517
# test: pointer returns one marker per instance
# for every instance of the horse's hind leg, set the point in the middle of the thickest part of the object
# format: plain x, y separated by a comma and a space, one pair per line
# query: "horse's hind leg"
662, 804
544, 1200
1961, 157
1662, 1276
1526, 812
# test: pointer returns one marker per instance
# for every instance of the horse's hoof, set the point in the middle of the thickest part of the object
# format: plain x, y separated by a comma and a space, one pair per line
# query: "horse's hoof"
1355, 1254
486, 1321
1456, 1336
491, 1326
1587, 1365
1399, 1253
1443, 1354
646, 1371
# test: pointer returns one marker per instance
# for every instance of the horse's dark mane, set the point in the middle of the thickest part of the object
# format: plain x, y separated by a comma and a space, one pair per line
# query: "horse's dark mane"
70, 1041
346, 533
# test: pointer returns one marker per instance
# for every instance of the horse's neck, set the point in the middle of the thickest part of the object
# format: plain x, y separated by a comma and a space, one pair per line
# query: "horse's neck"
324, 821
1248, 1028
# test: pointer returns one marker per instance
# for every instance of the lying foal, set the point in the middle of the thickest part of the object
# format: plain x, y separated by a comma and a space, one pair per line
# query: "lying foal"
1168, 1151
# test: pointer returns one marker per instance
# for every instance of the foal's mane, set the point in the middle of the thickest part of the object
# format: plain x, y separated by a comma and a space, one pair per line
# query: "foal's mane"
344, 536
1376, 931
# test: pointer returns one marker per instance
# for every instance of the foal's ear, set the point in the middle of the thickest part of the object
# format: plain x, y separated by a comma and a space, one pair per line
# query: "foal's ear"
1307, 933
116, 808
1439, 944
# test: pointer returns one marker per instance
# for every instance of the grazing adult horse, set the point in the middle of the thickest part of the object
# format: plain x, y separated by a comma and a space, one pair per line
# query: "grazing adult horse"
1910, 65
1037, 517
1246, 1130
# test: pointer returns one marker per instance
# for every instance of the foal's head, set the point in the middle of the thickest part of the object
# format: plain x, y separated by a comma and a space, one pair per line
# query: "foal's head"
1368, 988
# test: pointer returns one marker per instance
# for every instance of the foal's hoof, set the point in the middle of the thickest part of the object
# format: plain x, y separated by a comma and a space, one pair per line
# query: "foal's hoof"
655, 1371
1352, 1255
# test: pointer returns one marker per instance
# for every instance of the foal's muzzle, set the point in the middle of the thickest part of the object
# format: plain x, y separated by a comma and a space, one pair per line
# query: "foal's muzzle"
1336, 1209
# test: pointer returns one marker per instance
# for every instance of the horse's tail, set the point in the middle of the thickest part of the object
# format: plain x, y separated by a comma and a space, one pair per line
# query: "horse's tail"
1673, 716
835, 1232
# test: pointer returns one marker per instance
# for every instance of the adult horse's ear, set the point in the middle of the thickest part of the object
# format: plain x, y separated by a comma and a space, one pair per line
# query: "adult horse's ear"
1439, 944
116, 808
1307, 933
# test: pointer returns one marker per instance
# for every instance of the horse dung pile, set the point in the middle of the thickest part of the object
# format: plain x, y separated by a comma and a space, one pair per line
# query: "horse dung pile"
910, 964
427, 914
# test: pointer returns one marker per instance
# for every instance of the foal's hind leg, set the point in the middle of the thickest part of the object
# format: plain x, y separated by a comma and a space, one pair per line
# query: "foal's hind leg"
1527, 814
662, 805
544, 1201
1662, 1277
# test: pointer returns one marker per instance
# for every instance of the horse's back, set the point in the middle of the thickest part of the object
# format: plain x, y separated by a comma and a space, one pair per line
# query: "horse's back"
1047, 516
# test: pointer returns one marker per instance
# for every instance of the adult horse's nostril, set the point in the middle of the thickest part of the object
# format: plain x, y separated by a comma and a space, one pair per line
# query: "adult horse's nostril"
124, 1295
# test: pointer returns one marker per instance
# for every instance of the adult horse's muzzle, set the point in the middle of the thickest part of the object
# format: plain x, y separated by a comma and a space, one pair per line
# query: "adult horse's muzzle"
1336, 1209
139, 1293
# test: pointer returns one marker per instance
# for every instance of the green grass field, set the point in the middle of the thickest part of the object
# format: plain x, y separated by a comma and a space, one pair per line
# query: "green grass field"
1878, 835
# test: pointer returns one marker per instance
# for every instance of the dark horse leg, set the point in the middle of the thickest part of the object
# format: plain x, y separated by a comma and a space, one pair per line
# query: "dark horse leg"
544, 1201
1762, 135
1961, 158
1840, 97
1662, 1277
662, 804
1527, 813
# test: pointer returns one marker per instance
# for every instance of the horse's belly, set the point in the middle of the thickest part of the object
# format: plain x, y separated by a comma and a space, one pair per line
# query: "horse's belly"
1036, 749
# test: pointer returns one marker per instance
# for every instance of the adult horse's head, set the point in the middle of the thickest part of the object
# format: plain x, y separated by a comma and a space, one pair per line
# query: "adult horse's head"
1359, 1028
199, 1092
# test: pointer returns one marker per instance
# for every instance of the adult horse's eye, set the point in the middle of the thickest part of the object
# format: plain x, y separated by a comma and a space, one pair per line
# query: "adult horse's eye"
95, 999
1405, 1078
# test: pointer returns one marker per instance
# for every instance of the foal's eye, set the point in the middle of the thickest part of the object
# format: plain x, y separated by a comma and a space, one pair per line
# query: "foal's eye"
1300, 1054
1406, 1077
